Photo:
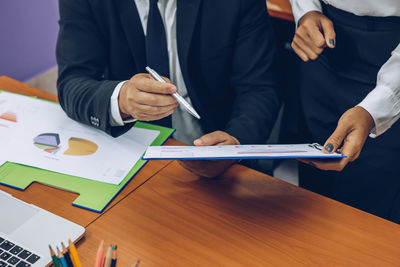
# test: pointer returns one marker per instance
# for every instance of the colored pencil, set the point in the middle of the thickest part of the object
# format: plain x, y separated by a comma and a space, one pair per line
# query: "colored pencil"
114, 257
66, 255
107, 262
56, 262
74, 254
137, 263
100, 254
61, 258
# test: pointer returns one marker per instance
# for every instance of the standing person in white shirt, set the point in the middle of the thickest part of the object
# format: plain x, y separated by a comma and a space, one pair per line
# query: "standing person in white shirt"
351, 71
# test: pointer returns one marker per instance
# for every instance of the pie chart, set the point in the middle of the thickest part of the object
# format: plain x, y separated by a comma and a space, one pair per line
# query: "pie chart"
49, 142
80, 147
9, 116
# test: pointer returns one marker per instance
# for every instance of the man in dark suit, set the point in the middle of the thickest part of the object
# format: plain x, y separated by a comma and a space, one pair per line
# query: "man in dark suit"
219, 54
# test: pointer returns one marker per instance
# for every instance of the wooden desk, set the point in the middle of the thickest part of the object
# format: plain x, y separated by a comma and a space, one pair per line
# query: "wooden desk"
246, 218
168, 216
59, 201
280, 9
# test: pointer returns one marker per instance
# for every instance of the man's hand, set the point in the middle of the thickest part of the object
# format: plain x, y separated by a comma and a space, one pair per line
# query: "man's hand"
352, 130
314, 33
146, 99
211, 168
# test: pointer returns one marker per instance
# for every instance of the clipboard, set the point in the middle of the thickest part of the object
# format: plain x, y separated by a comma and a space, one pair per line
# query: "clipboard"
93, 195
279, 151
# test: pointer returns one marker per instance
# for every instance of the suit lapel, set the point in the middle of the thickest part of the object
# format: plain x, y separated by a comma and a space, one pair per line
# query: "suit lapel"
133, 29
186, 17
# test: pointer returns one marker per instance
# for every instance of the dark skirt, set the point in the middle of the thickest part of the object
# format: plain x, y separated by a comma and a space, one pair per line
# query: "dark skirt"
338, 80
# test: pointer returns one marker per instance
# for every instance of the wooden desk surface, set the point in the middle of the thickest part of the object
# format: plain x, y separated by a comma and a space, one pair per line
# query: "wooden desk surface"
246, 218
58, 201
280, 9
168, 216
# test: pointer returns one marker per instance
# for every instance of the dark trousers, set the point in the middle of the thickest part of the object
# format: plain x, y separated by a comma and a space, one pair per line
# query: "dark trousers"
338, 80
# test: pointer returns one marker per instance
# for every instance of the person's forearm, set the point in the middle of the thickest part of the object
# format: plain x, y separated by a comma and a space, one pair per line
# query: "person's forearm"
383, 103
301, 7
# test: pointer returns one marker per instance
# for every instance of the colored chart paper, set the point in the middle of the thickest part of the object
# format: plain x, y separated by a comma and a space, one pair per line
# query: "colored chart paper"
9, 116
45, 137
80, 147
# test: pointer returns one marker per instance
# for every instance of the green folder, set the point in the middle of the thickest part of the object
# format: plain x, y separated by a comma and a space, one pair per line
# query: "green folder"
93, 195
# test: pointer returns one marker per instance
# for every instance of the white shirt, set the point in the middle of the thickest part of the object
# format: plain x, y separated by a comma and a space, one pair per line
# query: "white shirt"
383, 103
187, 127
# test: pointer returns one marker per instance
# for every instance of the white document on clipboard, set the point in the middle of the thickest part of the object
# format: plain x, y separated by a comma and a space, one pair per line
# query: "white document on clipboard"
238, 152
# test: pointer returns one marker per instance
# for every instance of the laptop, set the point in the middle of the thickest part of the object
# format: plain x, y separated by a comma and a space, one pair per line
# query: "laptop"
26, 231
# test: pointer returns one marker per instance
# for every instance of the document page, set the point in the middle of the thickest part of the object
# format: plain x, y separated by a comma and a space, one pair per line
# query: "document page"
38, 133
238, 152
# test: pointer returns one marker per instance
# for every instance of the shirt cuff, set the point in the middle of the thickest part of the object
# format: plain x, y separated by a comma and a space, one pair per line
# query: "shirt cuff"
384, 107
301, 7
115, 115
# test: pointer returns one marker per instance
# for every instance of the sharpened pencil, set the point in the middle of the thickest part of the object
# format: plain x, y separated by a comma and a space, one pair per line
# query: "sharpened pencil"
114, 257
56, 262
100, 254
108, 256
66, 255
61, 258
74, 254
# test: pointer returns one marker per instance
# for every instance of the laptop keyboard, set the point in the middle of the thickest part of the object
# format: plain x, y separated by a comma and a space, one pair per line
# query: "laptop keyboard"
13, 255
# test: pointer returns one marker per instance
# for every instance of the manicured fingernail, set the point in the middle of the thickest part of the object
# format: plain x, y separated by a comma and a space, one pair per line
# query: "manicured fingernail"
198, 142
332, 42
329, 148
173, 89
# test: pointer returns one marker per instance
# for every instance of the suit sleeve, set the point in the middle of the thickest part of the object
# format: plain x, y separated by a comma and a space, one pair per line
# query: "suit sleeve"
81, 54
254, 76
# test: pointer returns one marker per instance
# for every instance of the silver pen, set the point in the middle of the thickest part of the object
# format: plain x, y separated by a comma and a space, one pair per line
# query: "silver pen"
177, 96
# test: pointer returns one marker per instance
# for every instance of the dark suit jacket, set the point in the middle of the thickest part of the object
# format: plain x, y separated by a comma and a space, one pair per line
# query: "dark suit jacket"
226, 52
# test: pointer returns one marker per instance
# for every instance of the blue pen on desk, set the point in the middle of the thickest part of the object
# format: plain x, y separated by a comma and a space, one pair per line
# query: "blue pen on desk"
177, 96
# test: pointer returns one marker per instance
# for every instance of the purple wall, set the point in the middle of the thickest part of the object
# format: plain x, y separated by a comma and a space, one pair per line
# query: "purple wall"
28, 34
